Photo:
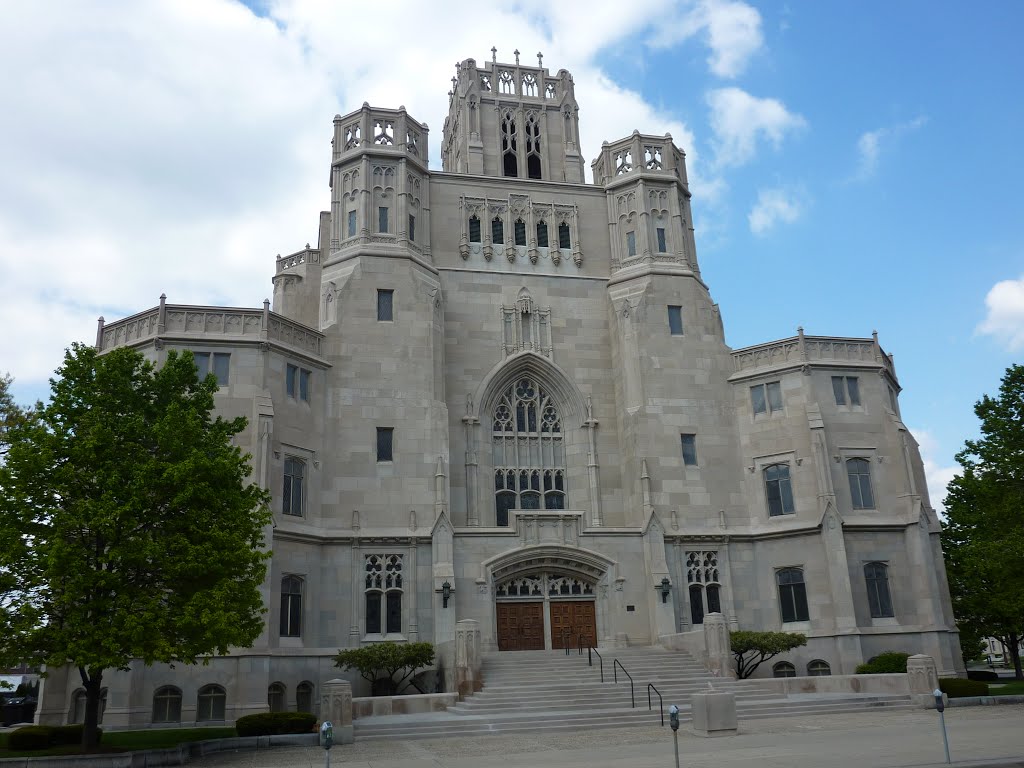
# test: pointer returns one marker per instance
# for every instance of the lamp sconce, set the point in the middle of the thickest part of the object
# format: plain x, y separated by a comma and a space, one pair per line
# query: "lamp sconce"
446, 592
666, 588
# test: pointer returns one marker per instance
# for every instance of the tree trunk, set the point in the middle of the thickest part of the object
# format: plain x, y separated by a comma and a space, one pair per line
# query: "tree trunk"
91, 680
1014, 650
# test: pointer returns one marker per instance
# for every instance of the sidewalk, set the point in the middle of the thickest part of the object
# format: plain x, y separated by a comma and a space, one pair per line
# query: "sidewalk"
978, 736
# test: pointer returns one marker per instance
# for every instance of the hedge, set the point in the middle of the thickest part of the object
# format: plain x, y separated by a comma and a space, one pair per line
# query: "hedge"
33, 737
982, 674
884, 663
957, 687
273, 723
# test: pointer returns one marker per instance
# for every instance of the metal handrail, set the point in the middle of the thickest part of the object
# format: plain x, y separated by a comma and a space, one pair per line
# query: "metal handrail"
661, 702
566, 634
632, 696
590, 660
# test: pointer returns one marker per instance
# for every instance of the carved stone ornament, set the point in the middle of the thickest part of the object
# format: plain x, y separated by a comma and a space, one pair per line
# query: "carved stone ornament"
510, 253
488, 252
464, 248
556, 256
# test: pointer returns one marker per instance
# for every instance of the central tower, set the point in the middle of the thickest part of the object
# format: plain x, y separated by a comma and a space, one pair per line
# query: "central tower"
512, 120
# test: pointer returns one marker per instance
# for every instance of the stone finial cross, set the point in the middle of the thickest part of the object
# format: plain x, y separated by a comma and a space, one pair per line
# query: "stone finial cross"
516, 52
494, 55
540, 59
453, 83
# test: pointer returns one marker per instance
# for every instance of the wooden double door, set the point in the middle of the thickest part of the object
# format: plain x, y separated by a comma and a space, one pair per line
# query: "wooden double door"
521, 625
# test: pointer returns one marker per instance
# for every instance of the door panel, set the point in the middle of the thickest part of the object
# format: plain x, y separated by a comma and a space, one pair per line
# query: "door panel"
571, 620
520, 626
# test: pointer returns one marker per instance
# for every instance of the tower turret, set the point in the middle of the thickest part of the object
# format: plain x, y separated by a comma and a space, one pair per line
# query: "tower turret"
512, 120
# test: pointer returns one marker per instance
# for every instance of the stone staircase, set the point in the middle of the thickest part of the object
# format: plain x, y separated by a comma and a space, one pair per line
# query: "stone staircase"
535, 691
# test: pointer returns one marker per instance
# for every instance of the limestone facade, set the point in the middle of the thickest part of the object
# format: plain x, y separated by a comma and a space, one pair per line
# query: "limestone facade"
498, 393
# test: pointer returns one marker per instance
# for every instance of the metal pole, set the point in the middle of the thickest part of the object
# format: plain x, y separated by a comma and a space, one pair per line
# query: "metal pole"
945, 739
675, 741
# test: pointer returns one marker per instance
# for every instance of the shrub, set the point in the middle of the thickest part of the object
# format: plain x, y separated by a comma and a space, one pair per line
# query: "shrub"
30, 737
33, 737
751, 649
985, 675
957, 687
402, 659
884, 663
273, 723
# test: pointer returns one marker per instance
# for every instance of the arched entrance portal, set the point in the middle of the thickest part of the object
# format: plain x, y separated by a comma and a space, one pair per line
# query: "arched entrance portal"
545, 610
549, 596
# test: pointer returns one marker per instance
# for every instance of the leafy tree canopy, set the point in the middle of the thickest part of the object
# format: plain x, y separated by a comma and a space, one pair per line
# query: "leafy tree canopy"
11, 414
390, 658
127, 524
751, 649
983, 540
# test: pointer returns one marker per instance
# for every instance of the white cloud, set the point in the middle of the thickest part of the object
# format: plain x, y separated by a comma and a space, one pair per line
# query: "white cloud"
773, 206
175, 146
1005, 313
937, 471
731, 30
739, 120
870, 145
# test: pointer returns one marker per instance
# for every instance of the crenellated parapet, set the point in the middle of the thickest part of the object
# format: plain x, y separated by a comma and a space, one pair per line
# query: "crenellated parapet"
184, 323
800, 350
292, 261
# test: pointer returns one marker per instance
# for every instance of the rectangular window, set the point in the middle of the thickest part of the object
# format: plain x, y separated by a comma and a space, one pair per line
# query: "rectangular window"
351, 223
297, 382
846, 390
385, 443
382, 219
412, 228
385, 304
474, 229
294, 478
520, 232
220, 362
689, 450
766, 398
792, 595
631, 243
394, 612
876, 576
675, 320
542, 234
497, 231
563, 236
373, 613
662, 247
778, 490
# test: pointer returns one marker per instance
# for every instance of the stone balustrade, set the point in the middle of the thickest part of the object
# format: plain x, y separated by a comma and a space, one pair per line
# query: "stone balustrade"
173, 322
306, 256
801, 349
639, 152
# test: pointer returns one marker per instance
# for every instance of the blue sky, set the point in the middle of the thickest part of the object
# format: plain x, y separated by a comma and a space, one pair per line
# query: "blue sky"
854, 166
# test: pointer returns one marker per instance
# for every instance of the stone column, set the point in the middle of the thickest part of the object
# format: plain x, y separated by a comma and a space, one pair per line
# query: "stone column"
923, 679
716, 643
336, 706
467, 657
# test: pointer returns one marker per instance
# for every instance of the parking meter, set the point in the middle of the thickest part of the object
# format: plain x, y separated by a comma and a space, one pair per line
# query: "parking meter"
673, 717
327, 735
940, 705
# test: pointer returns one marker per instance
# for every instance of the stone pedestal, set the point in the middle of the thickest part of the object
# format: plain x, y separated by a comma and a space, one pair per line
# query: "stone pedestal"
468, 658
719, 650
923, 679
336, 706
714, 713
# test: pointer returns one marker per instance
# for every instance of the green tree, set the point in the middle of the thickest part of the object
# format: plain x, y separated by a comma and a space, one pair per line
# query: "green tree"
751, 649
983, 540
11, 414
391, 659
127, 523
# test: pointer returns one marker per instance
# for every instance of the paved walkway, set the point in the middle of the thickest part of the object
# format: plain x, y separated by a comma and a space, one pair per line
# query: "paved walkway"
989, 736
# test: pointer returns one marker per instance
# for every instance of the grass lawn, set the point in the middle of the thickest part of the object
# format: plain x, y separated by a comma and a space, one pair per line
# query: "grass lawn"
124, 741
1013, 688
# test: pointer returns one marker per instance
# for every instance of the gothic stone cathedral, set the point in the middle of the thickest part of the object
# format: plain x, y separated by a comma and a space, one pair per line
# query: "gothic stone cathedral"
498, 392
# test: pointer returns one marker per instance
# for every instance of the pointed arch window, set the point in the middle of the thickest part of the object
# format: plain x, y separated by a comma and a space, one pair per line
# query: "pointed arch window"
533, 169
509, 147
542, 234
528, 450
474, 229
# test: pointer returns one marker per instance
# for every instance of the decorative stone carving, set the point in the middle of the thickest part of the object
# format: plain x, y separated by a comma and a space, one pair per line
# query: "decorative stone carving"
336, 706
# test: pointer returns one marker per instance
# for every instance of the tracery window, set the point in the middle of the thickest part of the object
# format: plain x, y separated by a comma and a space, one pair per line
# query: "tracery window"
528, 451
383, 589
509, 148
533, 169
704, 588
542, 234
474, 229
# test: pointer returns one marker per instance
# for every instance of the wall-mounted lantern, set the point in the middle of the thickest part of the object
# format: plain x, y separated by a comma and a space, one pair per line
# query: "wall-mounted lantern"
666, 588
446, 592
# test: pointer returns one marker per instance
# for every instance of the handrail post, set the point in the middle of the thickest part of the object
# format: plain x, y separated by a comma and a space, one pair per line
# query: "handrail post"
632, 692
661, 702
